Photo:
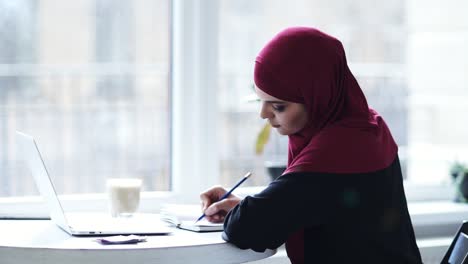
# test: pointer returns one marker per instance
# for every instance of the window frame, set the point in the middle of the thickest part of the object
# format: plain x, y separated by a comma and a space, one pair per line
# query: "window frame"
194, 160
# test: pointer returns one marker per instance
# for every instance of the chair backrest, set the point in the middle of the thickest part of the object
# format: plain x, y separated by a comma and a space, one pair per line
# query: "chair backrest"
458, 250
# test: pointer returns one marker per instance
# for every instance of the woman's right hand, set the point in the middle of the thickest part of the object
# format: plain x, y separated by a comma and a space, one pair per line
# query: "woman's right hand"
215, 210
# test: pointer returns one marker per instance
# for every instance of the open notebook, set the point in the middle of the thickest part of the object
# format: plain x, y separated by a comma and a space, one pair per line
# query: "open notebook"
183, 216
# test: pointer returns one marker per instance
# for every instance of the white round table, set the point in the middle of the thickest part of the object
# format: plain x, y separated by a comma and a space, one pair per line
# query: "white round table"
42, 242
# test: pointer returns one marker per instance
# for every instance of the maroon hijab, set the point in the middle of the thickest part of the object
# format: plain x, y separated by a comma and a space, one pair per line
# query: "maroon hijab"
343, 135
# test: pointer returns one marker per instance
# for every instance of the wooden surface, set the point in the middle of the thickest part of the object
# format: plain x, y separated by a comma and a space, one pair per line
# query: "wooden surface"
42, 242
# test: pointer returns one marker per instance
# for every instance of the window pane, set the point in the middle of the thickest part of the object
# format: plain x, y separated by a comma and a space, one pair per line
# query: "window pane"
377, 40
90, 81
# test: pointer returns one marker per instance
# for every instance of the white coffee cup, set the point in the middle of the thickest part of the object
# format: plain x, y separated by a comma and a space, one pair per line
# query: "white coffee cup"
124, 196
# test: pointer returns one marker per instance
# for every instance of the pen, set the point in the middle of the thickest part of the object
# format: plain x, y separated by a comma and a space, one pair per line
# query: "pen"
246, 176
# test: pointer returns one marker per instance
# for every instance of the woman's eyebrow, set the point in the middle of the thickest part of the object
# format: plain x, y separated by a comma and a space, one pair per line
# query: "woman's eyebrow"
274, 102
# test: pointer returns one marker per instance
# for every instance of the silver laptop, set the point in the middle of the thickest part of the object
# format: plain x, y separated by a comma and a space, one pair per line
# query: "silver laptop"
83, 224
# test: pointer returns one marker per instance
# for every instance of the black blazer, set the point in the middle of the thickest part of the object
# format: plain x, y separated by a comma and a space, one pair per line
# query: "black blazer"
347, 218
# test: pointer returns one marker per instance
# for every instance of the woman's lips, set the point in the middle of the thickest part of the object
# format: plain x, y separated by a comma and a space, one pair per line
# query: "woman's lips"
275, 126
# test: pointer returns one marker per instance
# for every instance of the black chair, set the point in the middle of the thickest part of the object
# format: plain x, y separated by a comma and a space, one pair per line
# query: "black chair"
457, 253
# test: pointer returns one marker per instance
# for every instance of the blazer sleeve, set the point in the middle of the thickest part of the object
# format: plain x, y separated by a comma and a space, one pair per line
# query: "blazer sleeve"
266, 220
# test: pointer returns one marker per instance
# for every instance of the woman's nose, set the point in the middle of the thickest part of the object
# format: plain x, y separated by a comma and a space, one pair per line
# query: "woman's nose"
264, 112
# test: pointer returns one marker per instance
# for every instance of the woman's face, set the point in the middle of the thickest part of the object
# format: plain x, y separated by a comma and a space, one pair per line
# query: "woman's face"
287, 117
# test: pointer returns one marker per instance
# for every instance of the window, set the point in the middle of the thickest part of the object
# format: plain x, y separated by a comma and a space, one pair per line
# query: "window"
90, 81
157, 89
374, 39
404, 59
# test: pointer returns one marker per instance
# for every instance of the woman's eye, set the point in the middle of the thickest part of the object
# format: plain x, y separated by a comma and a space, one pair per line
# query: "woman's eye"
279, 108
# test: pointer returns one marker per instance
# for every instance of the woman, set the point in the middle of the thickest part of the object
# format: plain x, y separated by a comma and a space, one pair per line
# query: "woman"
341, 198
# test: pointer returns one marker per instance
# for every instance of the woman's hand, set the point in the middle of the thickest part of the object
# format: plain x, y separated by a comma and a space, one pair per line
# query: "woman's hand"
216, 210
